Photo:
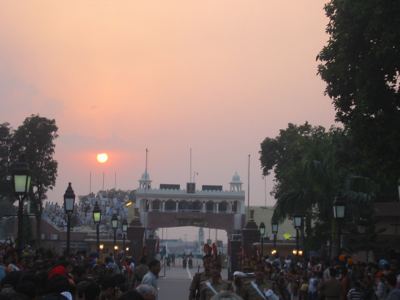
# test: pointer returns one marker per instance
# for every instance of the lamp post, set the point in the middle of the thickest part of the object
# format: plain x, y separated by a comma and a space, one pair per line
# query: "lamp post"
124, 231
298, 219
339, 209
274, 227
262, 233
69, 202
114, 225
21, 183
96, 220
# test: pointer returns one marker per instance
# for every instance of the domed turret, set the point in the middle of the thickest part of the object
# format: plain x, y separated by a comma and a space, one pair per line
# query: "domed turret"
145, 182
145, 176
236, 177
236, 183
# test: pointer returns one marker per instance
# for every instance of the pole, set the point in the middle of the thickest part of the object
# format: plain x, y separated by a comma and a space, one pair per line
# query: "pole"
190, 165
248, 189
297, 241
68, 232
123, 242
20, 225
274, 240
145, 170
262, 247
339, 237
165, 271
334, 239
115, 237
194, 176
98, 237
145, 167
265, 190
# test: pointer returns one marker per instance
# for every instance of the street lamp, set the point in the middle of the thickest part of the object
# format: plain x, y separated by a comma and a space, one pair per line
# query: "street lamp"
96, 220
21, 183
339, 209
114, 225
124, 231
274, 227
262, 233
298, 219
69, 202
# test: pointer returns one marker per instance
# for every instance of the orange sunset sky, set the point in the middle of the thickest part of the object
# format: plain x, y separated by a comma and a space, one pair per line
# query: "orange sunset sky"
121, 76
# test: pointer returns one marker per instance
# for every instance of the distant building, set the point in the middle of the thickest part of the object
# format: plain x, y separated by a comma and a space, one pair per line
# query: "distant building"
264, 214
171, 205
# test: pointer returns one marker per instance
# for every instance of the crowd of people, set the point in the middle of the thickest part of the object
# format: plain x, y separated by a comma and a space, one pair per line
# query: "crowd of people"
42, 275
275, 278
109, 202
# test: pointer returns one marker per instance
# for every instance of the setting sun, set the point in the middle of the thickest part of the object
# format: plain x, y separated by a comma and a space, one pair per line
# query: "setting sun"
102, 157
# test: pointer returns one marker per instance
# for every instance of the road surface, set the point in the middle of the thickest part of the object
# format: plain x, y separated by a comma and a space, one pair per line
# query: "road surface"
175, 284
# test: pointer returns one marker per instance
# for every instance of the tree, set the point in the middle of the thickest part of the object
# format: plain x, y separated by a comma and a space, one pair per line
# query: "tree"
309, 164
361, 66
34, 139
5, 144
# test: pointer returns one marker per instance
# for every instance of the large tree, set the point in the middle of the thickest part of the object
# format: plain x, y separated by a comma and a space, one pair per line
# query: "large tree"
361, 66
309, 164
34, 139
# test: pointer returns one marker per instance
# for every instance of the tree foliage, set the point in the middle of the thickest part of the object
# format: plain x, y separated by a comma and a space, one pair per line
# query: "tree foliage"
312, 166
361, 66
302, 160
34, 141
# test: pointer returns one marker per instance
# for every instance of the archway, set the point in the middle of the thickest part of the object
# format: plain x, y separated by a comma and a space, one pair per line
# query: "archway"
223, 207
210, 206
156, 205
197, 206
170, 205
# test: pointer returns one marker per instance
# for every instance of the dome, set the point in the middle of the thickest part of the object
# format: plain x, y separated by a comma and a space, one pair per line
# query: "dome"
145, 176
236, 178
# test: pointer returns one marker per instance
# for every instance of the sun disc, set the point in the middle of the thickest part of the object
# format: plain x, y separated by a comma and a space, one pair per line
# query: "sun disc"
102, 157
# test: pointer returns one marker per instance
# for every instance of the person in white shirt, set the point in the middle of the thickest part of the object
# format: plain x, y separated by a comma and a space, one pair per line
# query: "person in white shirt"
151, 277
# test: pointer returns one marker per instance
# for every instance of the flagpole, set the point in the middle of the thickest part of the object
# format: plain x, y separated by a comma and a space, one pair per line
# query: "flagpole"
190, 164
147, 151
146, 184
248, 189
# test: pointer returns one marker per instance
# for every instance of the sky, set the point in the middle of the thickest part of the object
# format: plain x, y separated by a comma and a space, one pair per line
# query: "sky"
216, 76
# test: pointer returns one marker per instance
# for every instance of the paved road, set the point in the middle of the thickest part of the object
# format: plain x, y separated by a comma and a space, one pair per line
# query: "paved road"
175, 284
